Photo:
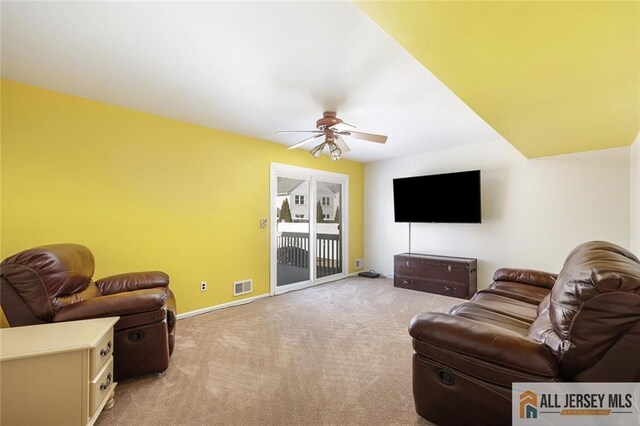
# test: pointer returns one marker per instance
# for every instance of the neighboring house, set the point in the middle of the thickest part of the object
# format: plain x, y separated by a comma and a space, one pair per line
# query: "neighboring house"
329, 197
299, 202
297, 192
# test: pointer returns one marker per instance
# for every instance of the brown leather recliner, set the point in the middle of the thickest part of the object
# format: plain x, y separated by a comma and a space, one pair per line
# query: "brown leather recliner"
582, 325
53, 284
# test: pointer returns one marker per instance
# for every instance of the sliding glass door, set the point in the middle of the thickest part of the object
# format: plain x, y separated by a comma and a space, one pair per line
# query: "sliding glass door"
328, 229
308, 224
292, 231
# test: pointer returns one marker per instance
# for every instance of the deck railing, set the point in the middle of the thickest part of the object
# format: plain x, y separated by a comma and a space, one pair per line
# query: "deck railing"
293, 250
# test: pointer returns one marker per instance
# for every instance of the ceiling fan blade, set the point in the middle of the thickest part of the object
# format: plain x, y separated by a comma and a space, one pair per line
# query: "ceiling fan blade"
366, 136
299, 131
341, 144
339, 126
304, 141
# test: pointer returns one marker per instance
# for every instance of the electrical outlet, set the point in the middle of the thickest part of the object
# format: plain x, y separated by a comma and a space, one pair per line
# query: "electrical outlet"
203, 286
359, 263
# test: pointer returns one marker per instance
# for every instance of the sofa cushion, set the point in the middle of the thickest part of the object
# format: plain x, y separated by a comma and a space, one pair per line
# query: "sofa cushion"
525, 292
518, 309
478, 313
526, 276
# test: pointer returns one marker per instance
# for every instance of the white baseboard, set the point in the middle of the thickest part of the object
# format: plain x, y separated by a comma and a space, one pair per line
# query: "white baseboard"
235, 303
221, 306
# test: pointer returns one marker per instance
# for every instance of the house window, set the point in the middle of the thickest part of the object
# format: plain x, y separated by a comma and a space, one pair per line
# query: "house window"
299, 200
326, 201
299, 216
326, 216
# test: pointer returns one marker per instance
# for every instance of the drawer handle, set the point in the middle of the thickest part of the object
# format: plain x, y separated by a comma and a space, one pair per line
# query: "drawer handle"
107, 350
104, 386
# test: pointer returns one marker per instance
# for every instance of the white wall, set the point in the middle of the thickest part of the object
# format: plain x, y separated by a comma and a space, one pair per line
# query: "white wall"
534, 211
635, 196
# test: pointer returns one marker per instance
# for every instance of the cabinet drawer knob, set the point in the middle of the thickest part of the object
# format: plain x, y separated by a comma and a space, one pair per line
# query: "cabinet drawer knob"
106, 384
107, 350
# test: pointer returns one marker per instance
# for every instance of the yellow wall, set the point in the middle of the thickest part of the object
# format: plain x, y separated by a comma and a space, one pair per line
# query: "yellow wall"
145, 192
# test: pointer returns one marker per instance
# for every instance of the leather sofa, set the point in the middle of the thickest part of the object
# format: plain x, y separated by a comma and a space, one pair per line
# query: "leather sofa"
582, 325
54, 283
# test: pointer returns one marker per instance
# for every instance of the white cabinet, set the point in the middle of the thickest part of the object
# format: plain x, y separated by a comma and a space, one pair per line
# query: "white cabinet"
56, 374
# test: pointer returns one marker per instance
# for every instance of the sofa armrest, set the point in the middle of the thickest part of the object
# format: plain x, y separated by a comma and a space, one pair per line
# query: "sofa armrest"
133, 302
526, 276
132, 281
485, 342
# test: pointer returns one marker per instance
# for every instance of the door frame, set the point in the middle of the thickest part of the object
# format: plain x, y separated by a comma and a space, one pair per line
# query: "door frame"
313, 175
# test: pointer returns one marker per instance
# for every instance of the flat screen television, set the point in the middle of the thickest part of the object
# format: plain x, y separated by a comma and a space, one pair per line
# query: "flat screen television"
443, 198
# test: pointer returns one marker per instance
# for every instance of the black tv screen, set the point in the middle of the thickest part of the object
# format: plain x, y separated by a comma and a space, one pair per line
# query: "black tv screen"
444, 198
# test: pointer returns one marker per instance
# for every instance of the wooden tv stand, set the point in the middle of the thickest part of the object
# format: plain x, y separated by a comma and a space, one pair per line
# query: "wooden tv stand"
449, 276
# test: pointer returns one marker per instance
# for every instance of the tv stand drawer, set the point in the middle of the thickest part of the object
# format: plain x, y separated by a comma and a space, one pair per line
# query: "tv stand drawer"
452, 289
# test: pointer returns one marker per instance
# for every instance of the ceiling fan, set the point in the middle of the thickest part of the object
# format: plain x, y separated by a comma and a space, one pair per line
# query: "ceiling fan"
336, 146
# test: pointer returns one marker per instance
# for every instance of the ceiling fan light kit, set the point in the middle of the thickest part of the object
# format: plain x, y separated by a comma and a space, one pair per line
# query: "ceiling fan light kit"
336, 146
317, 151
335, 152
332, 150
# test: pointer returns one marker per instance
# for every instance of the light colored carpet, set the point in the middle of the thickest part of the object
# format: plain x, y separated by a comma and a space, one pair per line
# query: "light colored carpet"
334, 354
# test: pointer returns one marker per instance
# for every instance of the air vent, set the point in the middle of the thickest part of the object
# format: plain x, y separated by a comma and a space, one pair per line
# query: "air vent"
242, 287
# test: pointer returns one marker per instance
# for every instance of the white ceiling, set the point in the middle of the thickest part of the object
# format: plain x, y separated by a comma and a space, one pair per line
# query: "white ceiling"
247, 67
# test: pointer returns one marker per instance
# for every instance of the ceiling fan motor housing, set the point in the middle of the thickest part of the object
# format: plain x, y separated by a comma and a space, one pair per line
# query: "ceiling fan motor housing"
329, 119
